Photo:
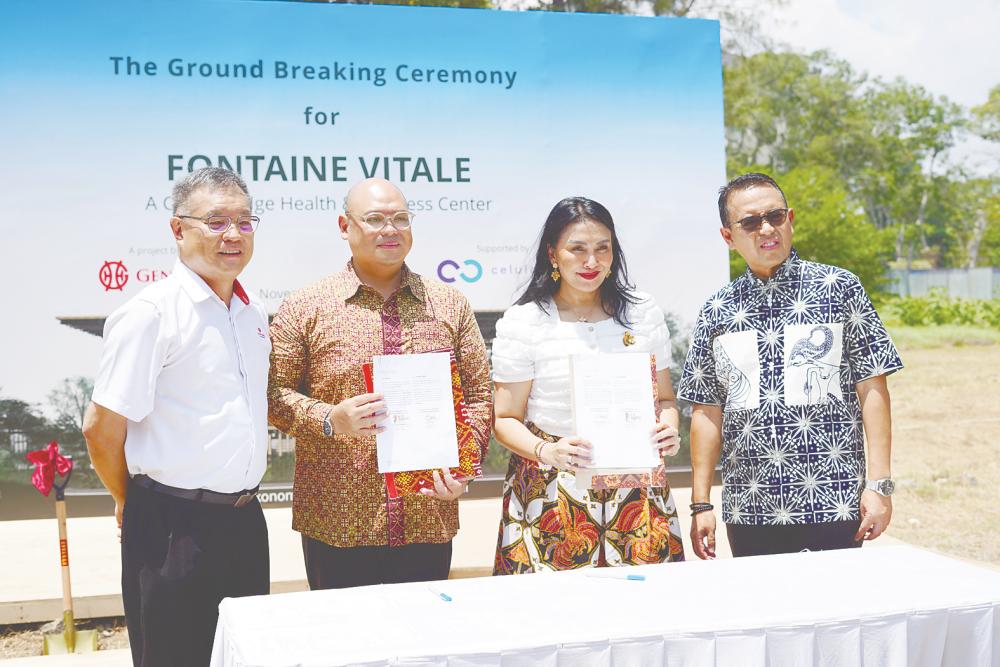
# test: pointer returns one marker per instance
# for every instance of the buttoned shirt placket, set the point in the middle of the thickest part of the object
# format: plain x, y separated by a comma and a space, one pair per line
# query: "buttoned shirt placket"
761, 291
392, 343
236, 307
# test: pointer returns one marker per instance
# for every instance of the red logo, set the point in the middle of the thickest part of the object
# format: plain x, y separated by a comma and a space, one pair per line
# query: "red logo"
113, 276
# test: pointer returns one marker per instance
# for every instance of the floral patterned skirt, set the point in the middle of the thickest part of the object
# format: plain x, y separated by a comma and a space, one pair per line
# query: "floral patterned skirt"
549, 524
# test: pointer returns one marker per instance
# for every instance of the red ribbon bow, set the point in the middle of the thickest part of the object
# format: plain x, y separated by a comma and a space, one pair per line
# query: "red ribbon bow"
48, 462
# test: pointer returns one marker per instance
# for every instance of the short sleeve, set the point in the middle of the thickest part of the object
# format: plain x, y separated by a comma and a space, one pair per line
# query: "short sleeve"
513, 348
699, 383
652, 323
134, 353
870, 350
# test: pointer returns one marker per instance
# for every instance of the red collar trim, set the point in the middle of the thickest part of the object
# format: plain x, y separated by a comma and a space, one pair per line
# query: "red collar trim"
241, 293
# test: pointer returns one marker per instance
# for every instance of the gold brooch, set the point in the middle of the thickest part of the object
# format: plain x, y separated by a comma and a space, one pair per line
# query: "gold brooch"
628, 338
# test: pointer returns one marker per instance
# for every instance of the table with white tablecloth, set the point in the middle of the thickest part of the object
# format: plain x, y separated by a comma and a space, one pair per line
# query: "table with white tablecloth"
871, 606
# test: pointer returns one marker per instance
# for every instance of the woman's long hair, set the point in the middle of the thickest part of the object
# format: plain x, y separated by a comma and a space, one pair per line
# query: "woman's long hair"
616, 290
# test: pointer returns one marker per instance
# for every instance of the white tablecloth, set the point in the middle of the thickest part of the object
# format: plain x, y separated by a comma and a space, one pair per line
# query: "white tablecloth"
872, 606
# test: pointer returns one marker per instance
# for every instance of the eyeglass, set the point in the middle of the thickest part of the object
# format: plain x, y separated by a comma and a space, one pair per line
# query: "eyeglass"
375, 221
753, 223
220, 224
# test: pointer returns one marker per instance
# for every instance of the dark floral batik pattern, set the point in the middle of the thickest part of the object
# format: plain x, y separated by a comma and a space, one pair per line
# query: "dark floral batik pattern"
549, 524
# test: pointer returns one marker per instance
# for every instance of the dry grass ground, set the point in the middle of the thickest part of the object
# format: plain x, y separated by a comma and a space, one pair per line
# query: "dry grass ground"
946, 432
18, 641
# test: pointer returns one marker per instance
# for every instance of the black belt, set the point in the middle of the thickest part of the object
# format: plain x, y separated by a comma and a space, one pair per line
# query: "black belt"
238, 499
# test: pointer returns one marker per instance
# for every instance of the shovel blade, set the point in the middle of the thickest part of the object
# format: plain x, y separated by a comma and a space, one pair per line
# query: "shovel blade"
55, 643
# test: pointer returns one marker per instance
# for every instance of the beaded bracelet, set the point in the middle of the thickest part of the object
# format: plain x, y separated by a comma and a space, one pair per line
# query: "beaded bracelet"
538, 449
698, 508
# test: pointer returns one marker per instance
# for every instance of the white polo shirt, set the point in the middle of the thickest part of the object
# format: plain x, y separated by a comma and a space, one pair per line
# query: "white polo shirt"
190, 375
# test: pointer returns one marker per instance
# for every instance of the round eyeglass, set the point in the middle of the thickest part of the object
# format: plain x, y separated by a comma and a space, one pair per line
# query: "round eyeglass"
220, 224
376, 220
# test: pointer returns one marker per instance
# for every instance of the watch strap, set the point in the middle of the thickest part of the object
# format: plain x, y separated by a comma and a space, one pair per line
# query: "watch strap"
884, 486
327, 424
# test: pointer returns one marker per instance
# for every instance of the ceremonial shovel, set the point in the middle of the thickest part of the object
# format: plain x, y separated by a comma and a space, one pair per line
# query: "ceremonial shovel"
48, 463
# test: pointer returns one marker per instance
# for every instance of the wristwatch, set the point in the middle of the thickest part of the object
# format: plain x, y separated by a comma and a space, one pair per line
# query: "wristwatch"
883, 487
327, 424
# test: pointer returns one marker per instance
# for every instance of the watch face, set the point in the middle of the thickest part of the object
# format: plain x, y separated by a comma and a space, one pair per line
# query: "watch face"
883, 487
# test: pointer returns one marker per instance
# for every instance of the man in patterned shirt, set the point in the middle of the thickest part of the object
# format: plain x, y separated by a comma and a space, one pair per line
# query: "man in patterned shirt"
353, 534
787, 364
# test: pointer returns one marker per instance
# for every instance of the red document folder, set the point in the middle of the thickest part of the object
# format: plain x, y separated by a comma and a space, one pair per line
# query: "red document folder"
470, 458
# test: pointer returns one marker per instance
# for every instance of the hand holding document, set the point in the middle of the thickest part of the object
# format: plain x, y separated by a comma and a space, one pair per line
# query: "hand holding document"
613, 408
420, 431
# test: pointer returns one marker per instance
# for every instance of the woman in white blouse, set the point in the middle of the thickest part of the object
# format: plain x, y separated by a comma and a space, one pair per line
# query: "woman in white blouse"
578, 301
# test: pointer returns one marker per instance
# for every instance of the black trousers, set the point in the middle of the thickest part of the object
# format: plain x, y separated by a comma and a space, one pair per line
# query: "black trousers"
340, 567
179, 559
766, 540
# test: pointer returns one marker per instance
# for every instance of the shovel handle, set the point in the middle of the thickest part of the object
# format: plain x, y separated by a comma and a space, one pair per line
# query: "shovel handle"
64, 556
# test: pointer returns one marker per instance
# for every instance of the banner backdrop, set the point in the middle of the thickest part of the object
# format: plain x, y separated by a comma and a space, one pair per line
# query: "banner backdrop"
484, 118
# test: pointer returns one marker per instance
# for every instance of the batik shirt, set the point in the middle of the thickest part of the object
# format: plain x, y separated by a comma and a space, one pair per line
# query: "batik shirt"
782, 357
321, 336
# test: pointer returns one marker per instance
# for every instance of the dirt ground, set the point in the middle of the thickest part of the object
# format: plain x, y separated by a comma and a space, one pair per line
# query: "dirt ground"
18, 641
946, 435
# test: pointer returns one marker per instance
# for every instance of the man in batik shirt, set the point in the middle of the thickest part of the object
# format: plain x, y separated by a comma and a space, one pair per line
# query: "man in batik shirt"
787, 365
353, 533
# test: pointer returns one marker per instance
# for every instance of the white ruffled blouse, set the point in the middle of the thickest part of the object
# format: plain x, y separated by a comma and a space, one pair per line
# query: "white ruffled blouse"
535, 345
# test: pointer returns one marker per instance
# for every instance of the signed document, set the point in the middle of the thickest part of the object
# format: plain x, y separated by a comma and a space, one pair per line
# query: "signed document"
613, 408
420, 431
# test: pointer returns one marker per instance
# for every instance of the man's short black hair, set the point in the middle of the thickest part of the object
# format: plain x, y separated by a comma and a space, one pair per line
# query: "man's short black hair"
744, 182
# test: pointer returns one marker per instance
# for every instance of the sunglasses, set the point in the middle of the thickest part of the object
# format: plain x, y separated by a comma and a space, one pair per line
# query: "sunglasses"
753, 223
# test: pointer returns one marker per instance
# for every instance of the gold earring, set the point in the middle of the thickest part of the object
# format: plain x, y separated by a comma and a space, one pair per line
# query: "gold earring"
555, 274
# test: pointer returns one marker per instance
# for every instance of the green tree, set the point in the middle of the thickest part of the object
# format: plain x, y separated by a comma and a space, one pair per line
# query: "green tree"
17, 415
976, 223
913, 130
987, 116
787, 109
886, 141
70, 400
19, 419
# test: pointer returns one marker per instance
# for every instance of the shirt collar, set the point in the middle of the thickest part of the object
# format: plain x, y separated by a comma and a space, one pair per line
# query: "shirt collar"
350, 283
198, 290
785, 271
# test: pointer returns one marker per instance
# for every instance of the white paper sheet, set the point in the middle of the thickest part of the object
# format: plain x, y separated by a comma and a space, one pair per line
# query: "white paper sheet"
420, 431
613, 408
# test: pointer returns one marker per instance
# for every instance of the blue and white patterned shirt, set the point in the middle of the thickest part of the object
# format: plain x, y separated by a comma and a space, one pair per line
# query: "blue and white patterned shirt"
782, 357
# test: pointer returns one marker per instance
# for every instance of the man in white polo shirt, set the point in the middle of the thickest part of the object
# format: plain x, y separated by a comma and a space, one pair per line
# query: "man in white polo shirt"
177, 429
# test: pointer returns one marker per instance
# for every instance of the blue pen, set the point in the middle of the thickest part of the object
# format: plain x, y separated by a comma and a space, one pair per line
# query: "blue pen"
443, 596
616, 575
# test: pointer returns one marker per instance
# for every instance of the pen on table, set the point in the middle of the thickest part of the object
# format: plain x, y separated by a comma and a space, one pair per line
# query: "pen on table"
616, 575
444, 596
